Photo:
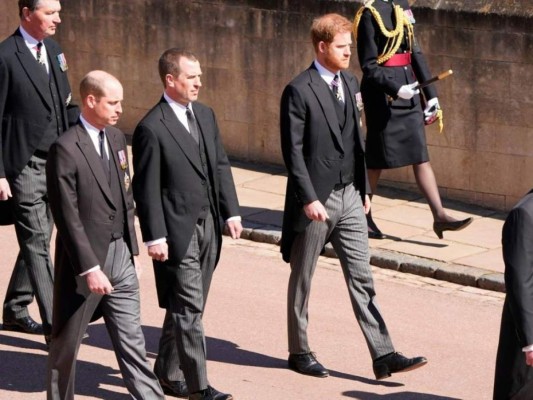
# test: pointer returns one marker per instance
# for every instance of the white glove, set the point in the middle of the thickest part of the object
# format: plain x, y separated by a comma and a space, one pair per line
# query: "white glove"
408, 91
430, 112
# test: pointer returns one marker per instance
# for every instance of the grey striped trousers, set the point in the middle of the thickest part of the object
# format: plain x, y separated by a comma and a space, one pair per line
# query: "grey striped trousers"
347, 232
33, 271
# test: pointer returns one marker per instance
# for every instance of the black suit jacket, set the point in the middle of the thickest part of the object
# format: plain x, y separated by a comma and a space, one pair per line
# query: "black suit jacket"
25, 104
513, 376
169, 183
312, 147
83, 210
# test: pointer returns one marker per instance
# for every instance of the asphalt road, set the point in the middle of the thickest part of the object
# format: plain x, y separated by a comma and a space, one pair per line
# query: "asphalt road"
455, 327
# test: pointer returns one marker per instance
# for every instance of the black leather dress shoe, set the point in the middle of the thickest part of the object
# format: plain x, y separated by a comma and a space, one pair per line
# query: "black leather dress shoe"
439, 227
174, 388
24, 324
307, 364
396, 362
210, 394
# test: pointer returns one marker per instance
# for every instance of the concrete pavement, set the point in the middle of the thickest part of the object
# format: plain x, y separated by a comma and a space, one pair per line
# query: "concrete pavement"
454, 326
470, 257
433, 294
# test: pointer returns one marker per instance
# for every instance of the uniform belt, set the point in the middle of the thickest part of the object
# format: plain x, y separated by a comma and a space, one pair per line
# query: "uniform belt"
398, 60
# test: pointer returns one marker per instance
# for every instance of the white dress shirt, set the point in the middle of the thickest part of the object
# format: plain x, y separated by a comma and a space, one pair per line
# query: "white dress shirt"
328, 76
31, 42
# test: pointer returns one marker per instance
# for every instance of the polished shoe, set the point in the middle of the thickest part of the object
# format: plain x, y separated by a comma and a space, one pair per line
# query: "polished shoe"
210, 394
439, 227
174, 388
307, 364
24, 324
396, 362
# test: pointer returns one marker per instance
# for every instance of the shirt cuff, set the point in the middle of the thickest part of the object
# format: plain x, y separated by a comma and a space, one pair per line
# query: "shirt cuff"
527, 348
154, 242
90, 270
236, 218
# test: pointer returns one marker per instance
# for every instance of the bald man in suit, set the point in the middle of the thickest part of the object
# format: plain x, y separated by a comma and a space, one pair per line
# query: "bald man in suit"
90, 195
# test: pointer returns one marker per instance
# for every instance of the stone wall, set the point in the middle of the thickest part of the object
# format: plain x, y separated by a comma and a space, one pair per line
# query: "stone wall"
249, 50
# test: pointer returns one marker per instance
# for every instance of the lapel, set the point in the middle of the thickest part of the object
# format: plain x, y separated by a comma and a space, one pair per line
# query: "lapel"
86, 146
207, 131
181, 135
56, 72
34, 72
321, 91
115, 146
350, 96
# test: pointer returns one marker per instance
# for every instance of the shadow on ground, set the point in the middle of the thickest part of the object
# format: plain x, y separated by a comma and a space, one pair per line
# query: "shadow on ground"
25, 372
356, 394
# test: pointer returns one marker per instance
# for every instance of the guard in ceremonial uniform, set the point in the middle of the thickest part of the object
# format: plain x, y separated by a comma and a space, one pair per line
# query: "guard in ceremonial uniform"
393, 65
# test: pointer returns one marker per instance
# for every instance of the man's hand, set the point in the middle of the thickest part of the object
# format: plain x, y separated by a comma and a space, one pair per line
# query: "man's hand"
159, 252
315, 211
367, 204
98, 282
235, 228
137, 265
529, 358
5, 190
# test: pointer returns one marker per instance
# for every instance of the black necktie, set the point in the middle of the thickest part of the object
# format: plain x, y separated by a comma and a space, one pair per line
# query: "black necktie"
335, 88
39, 56
193, 127
103, 156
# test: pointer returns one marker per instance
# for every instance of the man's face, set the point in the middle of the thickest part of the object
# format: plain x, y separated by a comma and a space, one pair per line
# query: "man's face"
42, 22
336, 55
185, 87
107, 109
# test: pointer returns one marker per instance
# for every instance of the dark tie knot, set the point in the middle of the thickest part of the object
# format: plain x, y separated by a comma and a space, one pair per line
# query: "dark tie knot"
193, 127
335, 87
101, 141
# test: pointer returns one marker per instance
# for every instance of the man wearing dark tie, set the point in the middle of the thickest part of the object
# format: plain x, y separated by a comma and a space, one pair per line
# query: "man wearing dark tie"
34, 109
183, 186
90, 196
327, 196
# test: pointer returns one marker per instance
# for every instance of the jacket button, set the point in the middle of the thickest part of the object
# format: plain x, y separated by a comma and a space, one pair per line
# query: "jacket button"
49, 118
203, 183
111, 217
341, 156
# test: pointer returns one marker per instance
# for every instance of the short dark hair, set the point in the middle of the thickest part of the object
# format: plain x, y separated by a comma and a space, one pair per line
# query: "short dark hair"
30, 4
169, 62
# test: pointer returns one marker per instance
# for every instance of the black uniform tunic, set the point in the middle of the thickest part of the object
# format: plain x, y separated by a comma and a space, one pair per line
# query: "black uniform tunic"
395, 127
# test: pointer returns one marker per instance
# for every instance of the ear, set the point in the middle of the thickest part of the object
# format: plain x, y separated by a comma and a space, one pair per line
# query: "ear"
322, 46
26, 13
91, 101
169, 80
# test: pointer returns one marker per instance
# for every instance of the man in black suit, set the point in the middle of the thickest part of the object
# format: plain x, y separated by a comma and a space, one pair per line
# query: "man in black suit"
327, 196
90, 196
34, 97
514, 372
183, 186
